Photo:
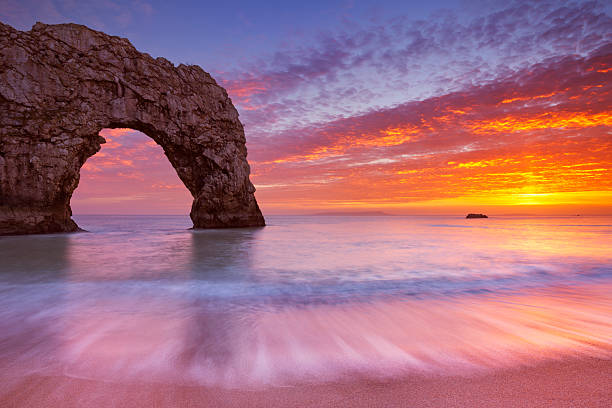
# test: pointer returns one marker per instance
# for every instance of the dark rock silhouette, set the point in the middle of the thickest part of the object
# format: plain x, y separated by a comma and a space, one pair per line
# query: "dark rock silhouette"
61, 84
476, 216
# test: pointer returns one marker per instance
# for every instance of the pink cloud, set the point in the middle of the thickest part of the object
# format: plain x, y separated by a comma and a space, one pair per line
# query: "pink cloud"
353, 71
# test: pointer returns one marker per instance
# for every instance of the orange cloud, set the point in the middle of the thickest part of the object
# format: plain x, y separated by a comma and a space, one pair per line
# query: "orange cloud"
458, 151
547, 120
527, 98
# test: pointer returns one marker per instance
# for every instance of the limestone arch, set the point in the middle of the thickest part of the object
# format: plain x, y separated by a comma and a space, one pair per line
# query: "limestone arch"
60, 85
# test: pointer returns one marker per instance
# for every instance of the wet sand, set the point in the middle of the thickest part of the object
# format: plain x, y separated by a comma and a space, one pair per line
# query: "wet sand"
585, 382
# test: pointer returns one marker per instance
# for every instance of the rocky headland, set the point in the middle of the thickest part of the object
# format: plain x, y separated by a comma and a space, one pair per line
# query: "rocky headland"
61, 84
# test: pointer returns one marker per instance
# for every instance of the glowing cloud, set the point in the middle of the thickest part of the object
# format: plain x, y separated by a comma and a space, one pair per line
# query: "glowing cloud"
496, 145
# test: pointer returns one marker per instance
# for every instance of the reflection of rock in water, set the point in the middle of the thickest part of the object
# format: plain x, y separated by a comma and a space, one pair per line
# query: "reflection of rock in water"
219, 258
34, 258
32, 275
222, 255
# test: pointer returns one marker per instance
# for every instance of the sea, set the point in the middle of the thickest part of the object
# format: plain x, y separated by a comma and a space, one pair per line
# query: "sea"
306, 299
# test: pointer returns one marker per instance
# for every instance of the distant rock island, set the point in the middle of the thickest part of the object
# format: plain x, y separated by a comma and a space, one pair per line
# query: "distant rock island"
60, 85
355, 213
476, 216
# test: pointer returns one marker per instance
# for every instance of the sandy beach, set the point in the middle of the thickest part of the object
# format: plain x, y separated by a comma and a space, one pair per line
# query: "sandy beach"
584, 382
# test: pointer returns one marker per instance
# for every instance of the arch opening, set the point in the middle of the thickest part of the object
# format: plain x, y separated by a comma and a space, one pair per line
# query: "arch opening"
130, 175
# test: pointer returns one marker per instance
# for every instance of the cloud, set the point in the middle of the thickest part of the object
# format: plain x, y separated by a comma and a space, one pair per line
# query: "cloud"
363, 68
98, 14
545, 129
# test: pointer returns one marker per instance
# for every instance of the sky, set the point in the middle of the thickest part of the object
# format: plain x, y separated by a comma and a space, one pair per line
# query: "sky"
404, 107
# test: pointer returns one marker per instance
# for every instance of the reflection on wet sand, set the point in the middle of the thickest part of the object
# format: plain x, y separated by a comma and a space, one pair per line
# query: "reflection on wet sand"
208, 343
117, 337
389, 338
147, 332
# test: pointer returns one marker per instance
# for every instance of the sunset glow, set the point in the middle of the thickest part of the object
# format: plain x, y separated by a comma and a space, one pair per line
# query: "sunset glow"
130, 175
532, 139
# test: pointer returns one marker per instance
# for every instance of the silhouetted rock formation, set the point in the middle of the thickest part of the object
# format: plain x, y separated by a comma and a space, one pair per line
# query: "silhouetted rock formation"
61, 84
476, 216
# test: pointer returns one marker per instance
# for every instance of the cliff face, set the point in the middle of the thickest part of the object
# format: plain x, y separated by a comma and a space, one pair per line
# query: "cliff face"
61, 84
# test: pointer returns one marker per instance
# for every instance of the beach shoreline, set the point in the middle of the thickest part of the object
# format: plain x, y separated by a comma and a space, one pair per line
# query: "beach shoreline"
571, 382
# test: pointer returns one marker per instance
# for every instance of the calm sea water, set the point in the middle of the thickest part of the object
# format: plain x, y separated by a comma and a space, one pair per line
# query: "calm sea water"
143, 298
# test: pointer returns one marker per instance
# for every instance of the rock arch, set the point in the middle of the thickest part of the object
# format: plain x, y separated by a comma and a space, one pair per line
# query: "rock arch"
61, 84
